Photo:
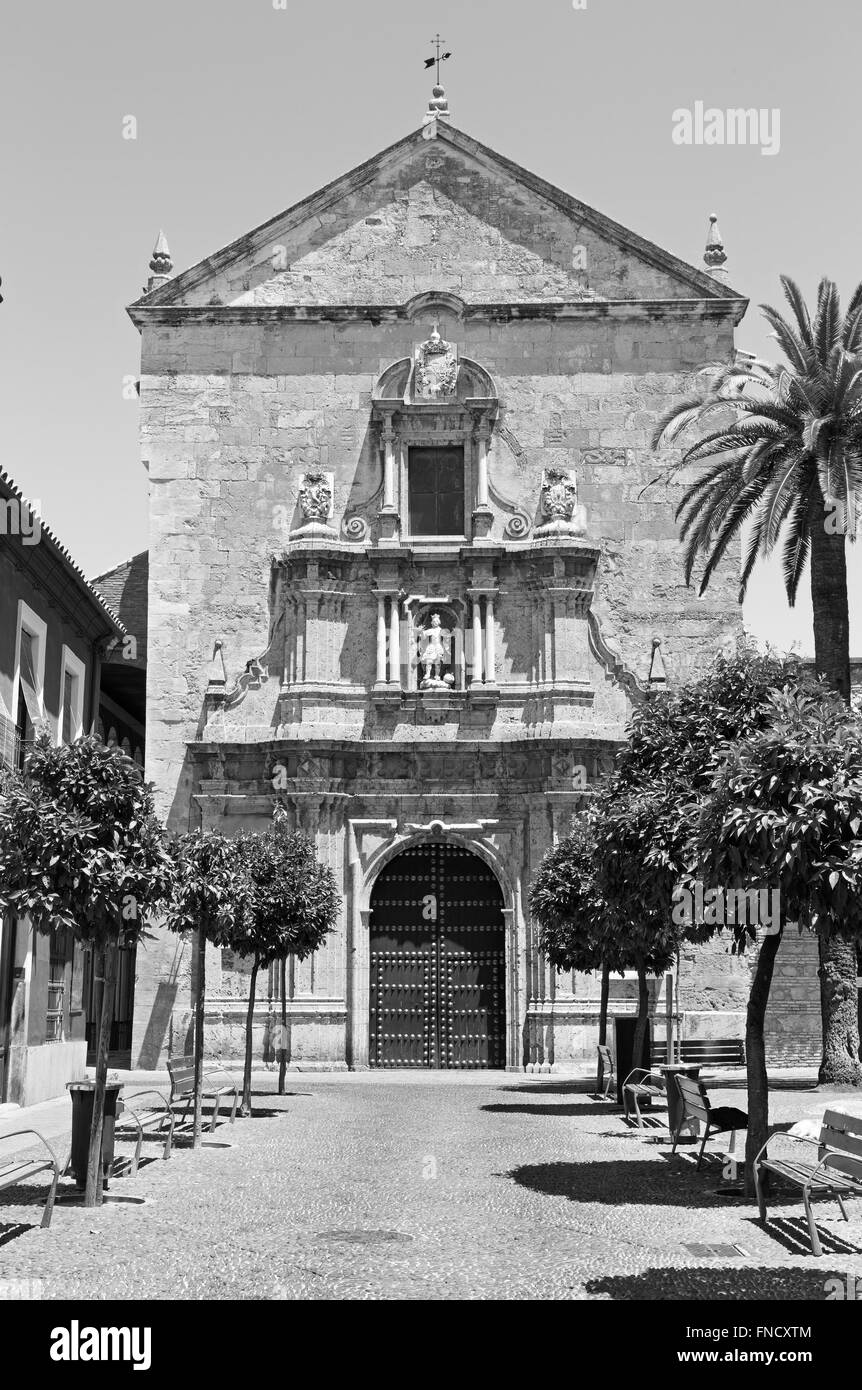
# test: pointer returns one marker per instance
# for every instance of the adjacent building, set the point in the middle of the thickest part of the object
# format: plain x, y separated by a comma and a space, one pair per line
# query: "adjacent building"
54, 631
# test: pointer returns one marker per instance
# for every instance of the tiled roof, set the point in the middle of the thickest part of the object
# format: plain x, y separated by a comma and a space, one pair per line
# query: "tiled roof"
10, 489
125, 589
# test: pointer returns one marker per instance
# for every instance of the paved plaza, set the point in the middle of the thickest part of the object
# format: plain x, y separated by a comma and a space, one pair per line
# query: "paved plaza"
407, 1186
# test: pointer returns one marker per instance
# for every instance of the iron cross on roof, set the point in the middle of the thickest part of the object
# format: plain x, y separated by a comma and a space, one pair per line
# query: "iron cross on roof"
441, 57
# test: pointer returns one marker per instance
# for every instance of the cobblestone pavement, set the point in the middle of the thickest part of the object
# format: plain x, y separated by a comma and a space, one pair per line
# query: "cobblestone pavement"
507, 1187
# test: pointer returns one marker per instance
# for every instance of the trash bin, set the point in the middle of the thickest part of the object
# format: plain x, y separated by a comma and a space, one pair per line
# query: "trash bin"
82, 1093
624, 1046
674, 1100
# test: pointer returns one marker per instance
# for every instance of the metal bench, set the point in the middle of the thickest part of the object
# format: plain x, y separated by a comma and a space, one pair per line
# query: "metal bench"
650, 1086
140, 1118
182, 1073
715, 1119
606, 1076
708, 1052
837, 1172
19, 1167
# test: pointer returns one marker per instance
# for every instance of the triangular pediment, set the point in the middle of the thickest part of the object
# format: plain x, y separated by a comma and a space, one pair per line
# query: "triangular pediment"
437, 212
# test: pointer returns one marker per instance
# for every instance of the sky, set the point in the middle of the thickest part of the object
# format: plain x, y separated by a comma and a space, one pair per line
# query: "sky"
243, 107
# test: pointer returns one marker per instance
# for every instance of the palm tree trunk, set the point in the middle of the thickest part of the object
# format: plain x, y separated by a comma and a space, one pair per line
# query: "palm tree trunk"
755, 1055
245, 1108
839, 1021
840, 1065
829, 604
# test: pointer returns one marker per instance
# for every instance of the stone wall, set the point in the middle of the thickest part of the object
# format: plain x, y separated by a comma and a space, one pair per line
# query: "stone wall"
793, 1030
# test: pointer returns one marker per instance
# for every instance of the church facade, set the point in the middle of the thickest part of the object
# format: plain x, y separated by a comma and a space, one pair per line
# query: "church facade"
407, 578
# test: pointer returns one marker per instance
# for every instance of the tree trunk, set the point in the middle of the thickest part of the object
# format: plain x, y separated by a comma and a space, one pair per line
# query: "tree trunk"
603, 1005
200, 994
106, 960
603, 1025
755, 1054
245, 1108
839, 1003
642, 1023
282, 1061
829, 603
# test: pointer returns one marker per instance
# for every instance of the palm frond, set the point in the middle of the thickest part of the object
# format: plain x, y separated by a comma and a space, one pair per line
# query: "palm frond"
791, 345
752, 554
827, 320
779, 497
796, 547
796, 300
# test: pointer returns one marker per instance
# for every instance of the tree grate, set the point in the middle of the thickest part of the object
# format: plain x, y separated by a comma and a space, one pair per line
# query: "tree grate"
706, 1251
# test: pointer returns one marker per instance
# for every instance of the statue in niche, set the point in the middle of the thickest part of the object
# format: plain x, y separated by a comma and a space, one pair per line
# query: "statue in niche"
436, 374
434, 652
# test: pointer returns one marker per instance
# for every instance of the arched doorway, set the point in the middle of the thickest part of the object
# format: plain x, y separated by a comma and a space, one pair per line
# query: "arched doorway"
438, 961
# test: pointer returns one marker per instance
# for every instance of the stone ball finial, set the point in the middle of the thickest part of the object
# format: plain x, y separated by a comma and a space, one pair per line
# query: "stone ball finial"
438, 106
714, 254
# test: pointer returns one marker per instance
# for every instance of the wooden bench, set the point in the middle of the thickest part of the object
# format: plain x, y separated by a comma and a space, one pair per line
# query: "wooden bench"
715, 1119
606, 1076
649, 1086
19, 1167
837, 1172
140, 1118
214, 1084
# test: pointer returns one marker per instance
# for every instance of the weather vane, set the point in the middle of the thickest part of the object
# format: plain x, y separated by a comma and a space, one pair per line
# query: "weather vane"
441, 57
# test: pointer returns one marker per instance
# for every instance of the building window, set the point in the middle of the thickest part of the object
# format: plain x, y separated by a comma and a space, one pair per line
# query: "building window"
29, 680
436, 491
71, 724
57, 986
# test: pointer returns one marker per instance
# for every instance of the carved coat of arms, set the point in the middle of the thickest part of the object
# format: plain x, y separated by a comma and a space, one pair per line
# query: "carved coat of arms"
436, 375
559, 504
559, 495
315, 496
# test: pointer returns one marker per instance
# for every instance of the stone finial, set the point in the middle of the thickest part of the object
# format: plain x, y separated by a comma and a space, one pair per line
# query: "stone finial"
438, 107
714, 256
657, 678
161, 263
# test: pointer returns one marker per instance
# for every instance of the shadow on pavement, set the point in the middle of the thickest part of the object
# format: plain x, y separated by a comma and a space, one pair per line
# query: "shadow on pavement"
792, 1233
586, 1109
627, 1183
10, 1230
737, 1282
546, 1088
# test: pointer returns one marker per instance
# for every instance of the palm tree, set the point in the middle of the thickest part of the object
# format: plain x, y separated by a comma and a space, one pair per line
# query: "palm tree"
785, 449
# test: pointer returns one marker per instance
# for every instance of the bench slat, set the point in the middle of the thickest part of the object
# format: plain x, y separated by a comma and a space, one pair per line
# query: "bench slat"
11, 1175
802, 1175
835, 1136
